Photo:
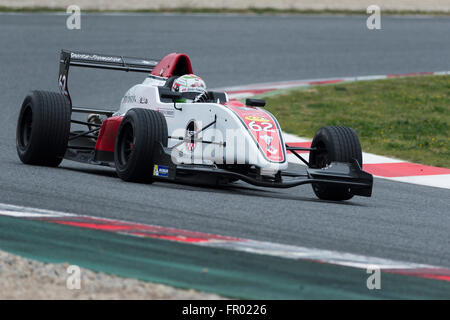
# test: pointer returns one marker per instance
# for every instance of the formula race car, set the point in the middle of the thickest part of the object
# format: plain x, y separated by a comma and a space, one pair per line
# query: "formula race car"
170, 127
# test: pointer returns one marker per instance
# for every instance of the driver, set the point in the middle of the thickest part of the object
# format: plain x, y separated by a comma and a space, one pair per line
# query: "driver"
192, 87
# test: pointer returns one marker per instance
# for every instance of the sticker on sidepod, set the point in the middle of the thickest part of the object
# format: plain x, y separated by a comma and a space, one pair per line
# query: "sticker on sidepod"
160, 171
256, 119
264, 129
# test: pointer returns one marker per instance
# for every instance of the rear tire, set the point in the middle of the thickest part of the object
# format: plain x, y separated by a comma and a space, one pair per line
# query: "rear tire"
339, 144
136, 144
43, 128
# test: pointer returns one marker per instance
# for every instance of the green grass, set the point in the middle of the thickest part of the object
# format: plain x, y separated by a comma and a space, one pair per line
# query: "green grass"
407, 118
251, 10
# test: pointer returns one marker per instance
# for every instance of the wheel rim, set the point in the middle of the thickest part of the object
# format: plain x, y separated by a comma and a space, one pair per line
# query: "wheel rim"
322, 158
26, 127
126, 145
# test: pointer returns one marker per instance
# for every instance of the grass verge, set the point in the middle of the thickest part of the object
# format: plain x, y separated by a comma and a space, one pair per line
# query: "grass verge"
407, 118
251, 10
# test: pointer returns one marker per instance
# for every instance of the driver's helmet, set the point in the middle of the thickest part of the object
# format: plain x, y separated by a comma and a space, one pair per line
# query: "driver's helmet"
190, 86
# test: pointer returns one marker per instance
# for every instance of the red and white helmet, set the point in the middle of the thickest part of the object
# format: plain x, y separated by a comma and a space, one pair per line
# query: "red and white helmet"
189, 83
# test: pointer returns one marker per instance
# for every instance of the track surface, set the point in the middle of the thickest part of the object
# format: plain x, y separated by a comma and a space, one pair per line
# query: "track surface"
401, 221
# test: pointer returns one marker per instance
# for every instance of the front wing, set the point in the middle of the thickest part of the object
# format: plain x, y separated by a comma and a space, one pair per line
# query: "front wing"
349, 174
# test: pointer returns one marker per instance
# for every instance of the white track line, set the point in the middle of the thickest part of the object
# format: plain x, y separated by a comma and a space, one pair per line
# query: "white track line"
27, 212
440, 181
246, 245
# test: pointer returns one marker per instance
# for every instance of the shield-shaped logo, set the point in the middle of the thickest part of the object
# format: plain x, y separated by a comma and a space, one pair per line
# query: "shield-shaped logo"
191, 135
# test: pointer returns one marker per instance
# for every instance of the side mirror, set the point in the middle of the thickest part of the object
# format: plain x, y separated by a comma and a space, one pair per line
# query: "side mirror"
166, 93
255, 102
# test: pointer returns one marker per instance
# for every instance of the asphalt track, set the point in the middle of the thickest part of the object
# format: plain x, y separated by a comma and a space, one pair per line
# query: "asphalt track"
401, 221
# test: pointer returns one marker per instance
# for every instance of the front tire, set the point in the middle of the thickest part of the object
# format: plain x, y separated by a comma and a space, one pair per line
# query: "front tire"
340, 144
137, 143
43, 128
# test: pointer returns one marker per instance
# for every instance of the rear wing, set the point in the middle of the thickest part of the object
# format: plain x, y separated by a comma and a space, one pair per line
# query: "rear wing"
99, 61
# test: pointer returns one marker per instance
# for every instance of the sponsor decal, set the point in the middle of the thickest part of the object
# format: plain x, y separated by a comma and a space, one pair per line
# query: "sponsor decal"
268, 139
272, 150
94, 57
176, 87
188, 83
62, 81
143, 100
190, 135
257, 119
158, 82
246, 108
168, 113
129, 99
160, 171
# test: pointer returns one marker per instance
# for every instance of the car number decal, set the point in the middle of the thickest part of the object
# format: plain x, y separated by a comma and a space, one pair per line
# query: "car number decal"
263, 128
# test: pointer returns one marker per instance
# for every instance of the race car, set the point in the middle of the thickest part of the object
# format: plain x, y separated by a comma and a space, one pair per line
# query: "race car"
171, 127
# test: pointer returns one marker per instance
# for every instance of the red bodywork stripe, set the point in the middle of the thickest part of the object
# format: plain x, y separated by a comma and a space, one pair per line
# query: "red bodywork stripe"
107, 136
173, 62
